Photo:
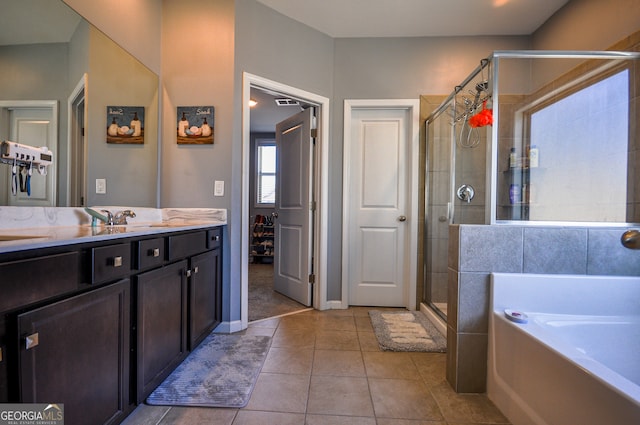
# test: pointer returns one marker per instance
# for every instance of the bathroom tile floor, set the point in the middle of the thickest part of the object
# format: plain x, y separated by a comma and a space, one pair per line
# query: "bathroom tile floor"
325, 368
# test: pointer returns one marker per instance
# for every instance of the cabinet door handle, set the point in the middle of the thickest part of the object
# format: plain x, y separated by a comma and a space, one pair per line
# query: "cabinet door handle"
195, 270
117, 261
187, 273
155, 252
32, 341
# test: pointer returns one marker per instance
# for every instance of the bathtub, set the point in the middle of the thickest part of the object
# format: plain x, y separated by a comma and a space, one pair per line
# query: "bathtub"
576, 360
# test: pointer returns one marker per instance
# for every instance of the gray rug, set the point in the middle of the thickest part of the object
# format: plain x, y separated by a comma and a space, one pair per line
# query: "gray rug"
406, 331
220, 372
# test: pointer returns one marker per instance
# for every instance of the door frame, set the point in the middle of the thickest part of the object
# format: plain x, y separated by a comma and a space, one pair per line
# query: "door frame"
413, 151
321, 186
78, 94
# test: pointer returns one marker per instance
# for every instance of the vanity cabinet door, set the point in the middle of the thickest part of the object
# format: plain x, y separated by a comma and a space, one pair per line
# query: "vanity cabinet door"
161, 325
204, 296
76, 352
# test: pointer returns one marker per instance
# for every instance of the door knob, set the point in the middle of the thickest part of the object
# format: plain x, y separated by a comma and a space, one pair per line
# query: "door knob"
402, 218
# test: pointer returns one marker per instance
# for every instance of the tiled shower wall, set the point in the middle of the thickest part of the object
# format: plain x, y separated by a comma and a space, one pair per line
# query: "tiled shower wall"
475, 251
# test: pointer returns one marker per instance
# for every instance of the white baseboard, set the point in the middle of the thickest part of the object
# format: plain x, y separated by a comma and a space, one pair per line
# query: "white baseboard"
229, 327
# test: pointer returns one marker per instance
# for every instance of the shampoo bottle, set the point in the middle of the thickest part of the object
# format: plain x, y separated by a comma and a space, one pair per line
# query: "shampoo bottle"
533, 156
513, 158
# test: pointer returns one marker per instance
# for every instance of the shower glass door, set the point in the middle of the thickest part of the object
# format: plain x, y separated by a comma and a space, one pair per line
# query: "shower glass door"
457, 138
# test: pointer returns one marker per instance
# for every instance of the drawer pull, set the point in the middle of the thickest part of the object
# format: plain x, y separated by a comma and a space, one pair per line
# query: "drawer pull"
117, 261
32, 341
155, 252
216, 238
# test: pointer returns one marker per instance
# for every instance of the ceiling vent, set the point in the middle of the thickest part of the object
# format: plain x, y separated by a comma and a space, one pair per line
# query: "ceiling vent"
285, 101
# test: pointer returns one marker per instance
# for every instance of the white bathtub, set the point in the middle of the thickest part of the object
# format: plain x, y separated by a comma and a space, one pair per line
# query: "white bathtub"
576, 360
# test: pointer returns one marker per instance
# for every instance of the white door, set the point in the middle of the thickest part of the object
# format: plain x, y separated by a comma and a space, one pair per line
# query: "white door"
378, 205
293, 210
35, 127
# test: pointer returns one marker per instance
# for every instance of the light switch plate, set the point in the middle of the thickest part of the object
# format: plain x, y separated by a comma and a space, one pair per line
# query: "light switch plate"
218, 188
101, 186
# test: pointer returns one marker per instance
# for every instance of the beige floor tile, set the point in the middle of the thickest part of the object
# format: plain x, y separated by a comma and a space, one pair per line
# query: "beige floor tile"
363, 324
339, 420
338, 363
337, 395
431, 366
294, 337
146, 415
251, 417
337, 323
368, 341
296, 360
385, 421
403, 399
387, 364
276, 392
337, 340
466, 408
198, 416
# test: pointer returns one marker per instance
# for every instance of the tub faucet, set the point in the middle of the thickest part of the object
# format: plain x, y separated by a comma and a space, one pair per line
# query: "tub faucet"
631, 239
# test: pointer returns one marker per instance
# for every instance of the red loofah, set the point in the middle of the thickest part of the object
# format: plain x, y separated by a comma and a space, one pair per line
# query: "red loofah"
482, 118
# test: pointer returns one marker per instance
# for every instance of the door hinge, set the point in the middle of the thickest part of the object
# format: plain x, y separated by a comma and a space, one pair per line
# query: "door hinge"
312, 206
314, 133
312, 279
82, 131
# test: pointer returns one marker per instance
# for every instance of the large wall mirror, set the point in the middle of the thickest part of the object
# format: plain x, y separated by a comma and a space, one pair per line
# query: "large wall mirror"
59, 77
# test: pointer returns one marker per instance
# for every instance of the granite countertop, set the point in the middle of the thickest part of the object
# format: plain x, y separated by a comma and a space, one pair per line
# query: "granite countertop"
38, 227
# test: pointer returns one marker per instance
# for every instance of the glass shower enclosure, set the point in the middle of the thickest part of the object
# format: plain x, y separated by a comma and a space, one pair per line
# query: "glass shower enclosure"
531, 137
457, 135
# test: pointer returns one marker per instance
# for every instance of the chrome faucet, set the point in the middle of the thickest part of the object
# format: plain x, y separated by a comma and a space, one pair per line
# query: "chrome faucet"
120, 219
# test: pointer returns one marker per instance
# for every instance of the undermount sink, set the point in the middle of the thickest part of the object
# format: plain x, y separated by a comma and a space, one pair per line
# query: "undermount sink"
8, 238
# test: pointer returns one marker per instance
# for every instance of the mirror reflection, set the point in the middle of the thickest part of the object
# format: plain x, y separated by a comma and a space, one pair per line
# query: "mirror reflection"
60, 74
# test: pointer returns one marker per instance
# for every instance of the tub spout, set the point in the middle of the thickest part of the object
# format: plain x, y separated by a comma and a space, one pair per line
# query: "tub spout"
631, 239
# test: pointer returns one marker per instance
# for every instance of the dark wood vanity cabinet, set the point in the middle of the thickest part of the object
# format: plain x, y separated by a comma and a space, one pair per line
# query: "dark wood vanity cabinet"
205, 296
76, 352
97, 326
161, 325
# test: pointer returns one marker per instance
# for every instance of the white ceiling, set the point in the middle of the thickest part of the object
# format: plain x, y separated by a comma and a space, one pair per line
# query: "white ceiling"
418, 18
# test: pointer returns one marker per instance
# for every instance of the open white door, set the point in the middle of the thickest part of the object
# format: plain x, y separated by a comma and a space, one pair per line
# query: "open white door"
293, 210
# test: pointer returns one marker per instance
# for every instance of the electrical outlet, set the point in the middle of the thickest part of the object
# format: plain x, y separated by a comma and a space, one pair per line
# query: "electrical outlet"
218, 188
101, 186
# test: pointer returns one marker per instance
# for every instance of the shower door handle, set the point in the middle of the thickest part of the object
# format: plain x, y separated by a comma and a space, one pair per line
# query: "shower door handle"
402, 218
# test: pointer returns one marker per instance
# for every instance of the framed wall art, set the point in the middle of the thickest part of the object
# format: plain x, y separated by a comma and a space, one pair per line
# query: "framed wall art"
125, 124
195, 125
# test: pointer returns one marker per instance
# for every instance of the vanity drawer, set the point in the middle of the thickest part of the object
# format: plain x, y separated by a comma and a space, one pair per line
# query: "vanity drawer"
214, 238
26, 281
150, 253
185, 245
110, 262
